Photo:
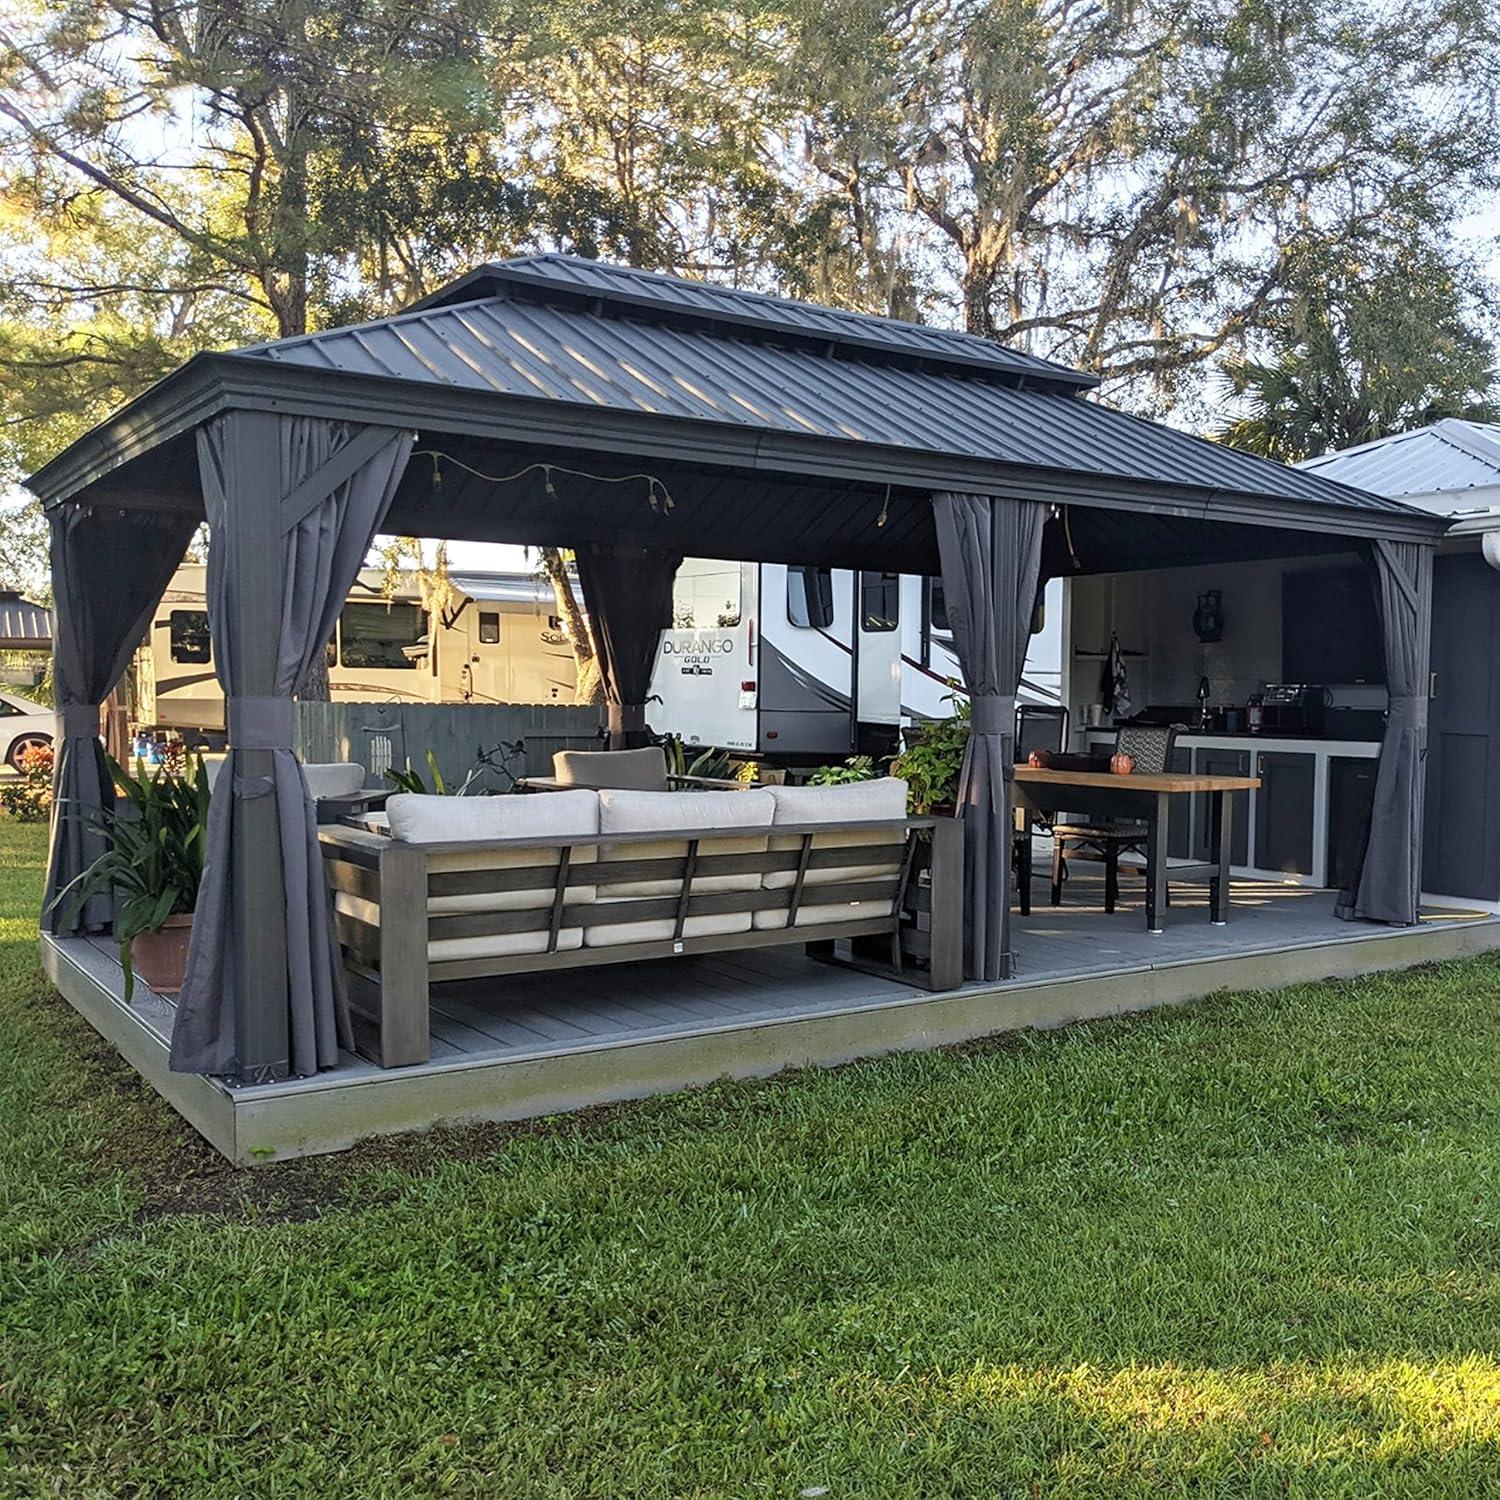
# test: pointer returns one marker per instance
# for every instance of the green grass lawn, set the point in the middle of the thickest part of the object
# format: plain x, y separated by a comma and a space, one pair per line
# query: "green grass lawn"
1246, 1249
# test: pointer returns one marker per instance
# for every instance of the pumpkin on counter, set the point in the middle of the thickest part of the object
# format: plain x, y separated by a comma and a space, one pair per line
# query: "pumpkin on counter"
1039, 759
1121, 763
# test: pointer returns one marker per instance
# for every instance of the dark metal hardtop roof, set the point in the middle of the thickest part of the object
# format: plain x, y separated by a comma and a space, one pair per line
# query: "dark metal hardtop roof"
625, 291
716, 390
578, 356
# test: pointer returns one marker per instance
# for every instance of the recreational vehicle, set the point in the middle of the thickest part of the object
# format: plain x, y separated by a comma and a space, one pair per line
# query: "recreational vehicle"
499, 641
796, 661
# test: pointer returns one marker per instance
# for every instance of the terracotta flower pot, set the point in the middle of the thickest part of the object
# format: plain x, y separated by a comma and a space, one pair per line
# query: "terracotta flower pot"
160, 958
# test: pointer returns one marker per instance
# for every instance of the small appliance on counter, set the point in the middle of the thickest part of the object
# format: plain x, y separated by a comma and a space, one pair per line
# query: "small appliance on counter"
1292, 708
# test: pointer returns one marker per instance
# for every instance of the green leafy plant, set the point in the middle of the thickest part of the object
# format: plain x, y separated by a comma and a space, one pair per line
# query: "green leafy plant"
409, 779
712, 763
153, 864
856, 768
933, 757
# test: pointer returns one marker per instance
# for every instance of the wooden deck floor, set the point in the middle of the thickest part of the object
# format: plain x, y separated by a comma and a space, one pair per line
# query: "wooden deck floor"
536, 1043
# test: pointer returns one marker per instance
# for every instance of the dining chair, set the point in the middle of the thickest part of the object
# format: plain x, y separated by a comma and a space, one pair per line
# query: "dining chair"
1150, 746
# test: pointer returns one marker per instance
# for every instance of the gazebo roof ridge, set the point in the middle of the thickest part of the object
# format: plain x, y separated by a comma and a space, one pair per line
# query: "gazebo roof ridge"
610, 289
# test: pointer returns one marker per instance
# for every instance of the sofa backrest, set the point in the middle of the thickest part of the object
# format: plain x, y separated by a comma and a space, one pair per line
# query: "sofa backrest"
875, 801
422, 819
643, 770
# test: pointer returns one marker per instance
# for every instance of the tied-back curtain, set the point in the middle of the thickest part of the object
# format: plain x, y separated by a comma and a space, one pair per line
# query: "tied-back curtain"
991, 551
335, 484
1388, 888
109, 571
627, 592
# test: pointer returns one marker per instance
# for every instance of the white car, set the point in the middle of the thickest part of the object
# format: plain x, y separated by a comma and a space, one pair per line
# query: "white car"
23, 725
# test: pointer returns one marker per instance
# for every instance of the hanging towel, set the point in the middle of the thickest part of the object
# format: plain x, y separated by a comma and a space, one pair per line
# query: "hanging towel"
1114, 685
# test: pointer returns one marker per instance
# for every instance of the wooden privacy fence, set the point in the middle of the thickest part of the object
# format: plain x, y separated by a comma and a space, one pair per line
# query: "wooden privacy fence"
385, 736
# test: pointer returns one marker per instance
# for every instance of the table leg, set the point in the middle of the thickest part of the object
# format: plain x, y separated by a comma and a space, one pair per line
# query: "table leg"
1156, 863
1223, 838
1023, 860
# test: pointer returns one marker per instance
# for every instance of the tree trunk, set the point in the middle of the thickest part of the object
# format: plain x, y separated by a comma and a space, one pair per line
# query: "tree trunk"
315, 684
588, 687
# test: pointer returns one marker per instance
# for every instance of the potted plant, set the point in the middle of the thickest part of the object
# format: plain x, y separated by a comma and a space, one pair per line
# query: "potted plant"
152, 868
931, 761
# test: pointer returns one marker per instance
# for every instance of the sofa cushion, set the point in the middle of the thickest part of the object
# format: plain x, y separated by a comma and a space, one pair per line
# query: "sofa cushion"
689, 812
536, 893
610, 934
821, 913
421, 819
336, 778
643, 770
878, 801
502, 945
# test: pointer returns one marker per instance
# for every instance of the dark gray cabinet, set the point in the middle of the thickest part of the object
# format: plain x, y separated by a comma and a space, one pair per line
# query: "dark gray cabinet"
1284, 811
1216, 762
1351, 791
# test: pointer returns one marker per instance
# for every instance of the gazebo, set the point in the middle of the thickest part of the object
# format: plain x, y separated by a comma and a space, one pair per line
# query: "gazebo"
636, 418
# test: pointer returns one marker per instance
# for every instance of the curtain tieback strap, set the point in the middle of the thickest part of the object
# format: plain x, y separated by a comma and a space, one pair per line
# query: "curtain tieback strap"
261, 723
992, 715
1407, 712
80, 721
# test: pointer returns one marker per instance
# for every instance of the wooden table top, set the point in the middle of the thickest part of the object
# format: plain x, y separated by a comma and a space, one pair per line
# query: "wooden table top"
1172, 781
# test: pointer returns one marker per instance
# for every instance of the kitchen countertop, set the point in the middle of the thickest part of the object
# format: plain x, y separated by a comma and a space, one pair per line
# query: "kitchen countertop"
1307, 744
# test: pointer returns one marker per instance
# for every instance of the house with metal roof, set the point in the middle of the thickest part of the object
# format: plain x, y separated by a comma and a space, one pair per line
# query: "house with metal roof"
24, 626
637, 419
1452, 469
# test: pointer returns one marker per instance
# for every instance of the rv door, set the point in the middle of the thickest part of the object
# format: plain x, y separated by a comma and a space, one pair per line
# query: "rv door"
705, 674
878, 655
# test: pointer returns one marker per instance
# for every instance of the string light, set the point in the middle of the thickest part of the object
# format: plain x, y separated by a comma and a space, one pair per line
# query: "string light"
658, 496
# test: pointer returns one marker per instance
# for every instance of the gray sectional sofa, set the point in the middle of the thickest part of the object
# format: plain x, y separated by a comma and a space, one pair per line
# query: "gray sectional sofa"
465, 887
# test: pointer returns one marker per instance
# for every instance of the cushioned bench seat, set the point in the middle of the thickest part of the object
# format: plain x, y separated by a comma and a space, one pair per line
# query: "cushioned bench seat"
466, 887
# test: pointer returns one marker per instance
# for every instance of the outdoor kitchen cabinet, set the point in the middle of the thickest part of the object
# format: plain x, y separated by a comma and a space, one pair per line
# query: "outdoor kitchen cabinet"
1296, 826
1284, 835
1221, 762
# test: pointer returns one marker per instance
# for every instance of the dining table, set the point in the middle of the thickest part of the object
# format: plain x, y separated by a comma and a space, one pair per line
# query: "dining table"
1151, 799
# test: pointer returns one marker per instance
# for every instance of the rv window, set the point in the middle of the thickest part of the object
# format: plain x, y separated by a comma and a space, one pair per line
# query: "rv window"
381, 635
489, 629
809, 597
937, 606
879, 601
188, 633
706, 597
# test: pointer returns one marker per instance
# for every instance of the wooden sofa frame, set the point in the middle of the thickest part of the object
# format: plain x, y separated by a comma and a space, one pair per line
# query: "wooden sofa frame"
390, 974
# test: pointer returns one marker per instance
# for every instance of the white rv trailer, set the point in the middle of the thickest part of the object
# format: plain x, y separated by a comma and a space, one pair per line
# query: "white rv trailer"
799, 661
500, 643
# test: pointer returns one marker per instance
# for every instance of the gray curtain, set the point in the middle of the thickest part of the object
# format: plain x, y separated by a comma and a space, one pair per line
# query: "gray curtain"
1390, 880
627, 592
991, 551
109, 571
323, 549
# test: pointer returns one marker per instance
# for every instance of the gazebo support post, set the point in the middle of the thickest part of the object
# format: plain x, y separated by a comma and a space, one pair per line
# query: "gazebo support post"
253, 450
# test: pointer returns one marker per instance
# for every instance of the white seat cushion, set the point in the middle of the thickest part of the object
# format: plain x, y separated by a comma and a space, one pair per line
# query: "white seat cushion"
335, 778
650, 812
501, 945
879, 801
420, 819
824, 912
611, 934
